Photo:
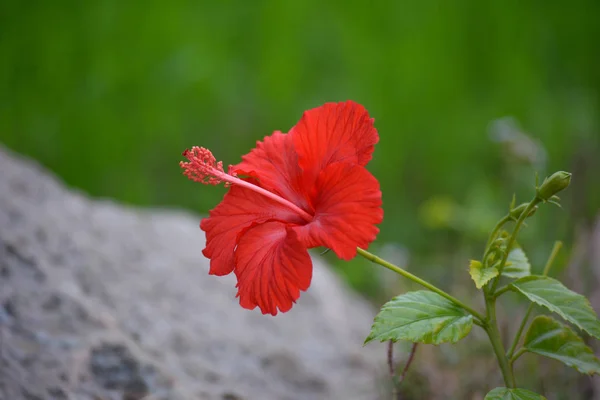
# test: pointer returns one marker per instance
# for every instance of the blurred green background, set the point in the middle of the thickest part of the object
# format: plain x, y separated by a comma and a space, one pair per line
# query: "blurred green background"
108, 94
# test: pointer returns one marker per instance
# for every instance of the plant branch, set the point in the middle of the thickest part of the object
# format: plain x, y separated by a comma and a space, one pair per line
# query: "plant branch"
373, 258
518, 354
491, 329
511, 240
390, 360
555, 249
515, 342
502, 290
413, 350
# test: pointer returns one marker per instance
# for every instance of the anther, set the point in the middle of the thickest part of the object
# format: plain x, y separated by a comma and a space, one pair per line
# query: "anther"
203, 167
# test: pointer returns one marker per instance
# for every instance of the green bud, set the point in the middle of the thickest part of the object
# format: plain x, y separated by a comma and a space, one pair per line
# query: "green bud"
516, 212
553, 184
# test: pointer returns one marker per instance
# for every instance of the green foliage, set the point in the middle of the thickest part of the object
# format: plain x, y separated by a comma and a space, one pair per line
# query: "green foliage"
553, 295
513, 394
111, 96
517, 264
421, 316
515, 213
552, 339
436, 316
480, 274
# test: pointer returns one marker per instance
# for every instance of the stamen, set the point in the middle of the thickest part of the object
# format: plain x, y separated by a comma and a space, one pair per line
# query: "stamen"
203, 167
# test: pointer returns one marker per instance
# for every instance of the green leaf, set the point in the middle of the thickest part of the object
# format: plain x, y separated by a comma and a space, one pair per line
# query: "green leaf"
517, 264
481, 275
553, 295
502, 393
421, 316
548, 337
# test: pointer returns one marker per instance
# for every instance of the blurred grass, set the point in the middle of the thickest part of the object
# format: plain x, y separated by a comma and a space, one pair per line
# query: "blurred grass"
108, 94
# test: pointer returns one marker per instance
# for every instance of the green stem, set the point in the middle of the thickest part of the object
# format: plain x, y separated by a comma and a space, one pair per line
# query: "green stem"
373, 258
555, 249
502, 290
511, 240
553, 253
515, 342
491, 329
518, 354
491, 324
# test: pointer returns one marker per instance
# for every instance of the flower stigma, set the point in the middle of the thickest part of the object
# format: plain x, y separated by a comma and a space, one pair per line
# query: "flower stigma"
203, 167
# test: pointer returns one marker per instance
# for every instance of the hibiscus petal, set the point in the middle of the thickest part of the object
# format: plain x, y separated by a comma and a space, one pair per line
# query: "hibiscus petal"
347, 208
274, 163
272, 268
334, 132
239, 209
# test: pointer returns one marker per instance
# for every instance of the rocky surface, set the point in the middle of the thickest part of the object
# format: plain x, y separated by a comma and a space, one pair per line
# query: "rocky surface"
102, 301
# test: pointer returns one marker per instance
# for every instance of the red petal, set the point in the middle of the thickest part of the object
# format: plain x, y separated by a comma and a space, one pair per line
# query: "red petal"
239, 209
272, 267
347, 208
331, 133
274, 163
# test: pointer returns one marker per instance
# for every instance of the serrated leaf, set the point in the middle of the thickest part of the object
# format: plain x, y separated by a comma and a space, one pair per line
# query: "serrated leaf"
548, 337
517, 264
553, 295
481, 275
421, 316
503, 393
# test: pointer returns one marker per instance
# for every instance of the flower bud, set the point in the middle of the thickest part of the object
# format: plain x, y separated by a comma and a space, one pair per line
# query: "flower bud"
553, 184
516, 212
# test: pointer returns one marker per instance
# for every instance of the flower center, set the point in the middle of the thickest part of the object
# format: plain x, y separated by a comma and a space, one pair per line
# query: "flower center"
203, 167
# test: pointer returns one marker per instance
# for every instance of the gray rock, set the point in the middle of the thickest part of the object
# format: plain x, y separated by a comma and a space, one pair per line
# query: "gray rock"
103, 301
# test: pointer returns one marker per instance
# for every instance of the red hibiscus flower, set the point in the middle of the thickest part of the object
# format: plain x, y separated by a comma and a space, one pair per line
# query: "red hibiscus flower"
293, 192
